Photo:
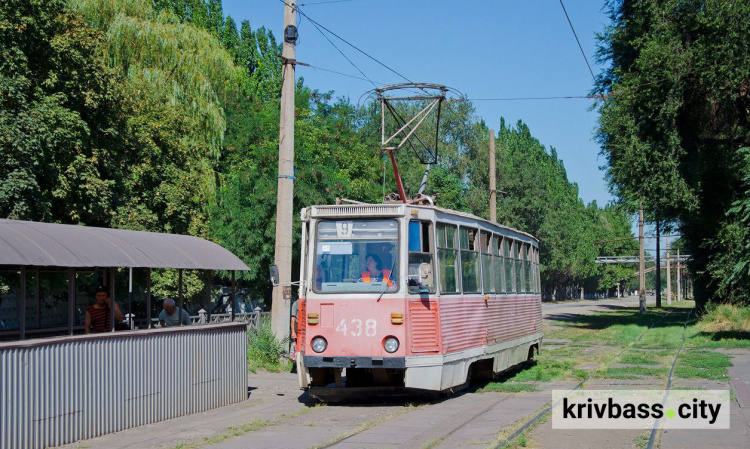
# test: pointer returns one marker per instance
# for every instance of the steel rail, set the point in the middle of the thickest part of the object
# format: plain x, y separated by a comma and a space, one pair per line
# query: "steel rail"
533, 420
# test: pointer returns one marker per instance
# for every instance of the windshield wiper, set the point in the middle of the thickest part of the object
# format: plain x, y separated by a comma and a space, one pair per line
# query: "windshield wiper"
390, 279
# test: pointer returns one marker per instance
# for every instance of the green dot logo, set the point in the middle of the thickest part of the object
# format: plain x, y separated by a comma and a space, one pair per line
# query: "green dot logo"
670, 413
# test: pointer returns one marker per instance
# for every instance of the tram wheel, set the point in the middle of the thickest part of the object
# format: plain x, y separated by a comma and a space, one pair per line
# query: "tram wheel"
530, 358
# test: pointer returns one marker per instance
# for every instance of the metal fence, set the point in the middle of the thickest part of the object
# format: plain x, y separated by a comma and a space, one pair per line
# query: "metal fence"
251, 319
59, 390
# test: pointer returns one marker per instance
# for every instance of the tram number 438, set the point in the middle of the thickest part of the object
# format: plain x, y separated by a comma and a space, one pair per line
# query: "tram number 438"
357, 329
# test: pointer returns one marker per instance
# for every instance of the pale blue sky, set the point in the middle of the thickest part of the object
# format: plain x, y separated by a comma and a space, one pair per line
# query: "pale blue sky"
489, 49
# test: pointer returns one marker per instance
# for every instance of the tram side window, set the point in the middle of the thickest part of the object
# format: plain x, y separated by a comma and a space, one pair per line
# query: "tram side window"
519, 267
510, 266
469, 260
487, 271
497, 255
535, 268
447, 258
527, 268
421, 278
538, 271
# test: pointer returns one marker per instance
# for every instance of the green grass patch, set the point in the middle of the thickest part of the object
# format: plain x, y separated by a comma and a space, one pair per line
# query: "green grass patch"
641, 441
544, 370
634, 372
640, 358
508, 387
726, 318
700, 364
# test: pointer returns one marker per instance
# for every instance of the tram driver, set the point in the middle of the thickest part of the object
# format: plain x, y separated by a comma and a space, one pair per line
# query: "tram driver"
375, 272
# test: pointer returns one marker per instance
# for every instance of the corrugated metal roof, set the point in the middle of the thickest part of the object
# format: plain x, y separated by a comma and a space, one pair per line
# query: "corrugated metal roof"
55, 245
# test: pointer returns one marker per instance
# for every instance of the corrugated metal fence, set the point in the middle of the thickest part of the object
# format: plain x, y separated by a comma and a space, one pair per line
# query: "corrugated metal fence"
59, 390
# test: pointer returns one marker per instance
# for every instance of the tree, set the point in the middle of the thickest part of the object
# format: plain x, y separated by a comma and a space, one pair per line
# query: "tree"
676, 114
61, 129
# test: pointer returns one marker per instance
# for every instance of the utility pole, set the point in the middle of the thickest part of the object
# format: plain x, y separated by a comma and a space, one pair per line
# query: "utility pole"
641, 264
282, 293
658, 265
493, 185
679, 287
669, 277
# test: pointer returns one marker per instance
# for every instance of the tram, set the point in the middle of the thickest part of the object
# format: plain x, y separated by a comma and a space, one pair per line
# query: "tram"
412, 296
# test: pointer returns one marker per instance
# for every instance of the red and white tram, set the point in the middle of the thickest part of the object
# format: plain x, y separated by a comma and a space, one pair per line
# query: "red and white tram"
451, 293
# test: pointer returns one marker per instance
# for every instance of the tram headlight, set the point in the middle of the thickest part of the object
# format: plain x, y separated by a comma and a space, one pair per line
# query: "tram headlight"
391, 344
319, 344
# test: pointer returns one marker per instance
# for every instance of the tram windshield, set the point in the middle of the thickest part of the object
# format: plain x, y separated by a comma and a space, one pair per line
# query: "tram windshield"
356, 256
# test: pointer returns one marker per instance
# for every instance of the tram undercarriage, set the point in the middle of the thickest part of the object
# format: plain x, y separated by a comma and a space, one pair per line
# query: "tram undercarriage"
365, 378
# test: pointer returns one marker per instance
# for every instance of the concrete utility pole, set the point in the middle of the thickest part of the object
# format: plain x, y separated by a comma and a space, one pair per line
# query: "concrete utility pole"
493, 185
669, 277
679, 287
282, 294
641, 264
658, 266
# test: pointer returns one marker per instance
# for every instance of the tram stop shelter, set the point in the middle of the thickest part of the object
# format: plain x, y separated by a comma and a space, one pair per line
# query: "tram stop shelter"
67, 386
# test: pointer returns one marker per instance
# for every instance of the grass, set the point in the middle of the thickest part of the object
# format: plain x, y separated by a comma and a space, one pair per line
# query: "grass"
641, 441
433, 443
702, 364
369, 424
521, 440
264, 351
250, 426
634, 372
726, 318
508, 387
598, 341
633, 357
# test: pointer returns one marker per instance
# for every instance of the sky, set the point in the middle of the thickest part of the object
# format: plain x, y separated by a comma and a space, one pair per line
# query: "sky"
484, 49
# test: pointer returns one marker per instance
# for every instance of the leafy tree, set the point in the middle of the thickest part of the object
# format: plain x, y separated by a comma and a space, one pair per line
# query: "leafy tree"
675, 117
60, 118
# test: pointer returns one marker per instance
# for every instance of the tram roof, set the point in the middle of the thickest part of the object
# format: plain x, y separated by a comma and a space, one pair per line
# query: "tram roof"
26, 243
395, 210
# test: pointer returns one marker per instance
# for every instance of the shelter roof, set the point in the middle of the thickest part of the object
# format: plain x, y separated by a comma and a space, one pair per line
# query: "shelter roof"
27, 243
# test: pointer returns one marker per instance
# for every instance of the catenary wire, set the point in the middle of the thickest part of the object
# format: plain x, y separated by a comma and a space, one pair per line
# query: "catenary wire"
322, 3
313, 21
338, 49
578, 41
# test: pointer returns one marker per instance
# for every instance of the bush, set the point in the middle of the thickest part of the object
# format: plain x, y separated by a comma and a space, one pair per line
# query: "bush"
263, 350
726, 318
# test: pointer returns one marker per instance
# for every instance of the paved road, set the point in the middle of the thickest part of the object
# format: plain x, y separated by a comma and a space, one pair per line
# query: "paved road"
277, 414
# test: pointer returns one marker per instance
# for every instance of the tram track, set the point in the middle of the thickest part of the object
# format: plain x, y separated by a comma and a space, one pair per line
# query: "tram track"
655, 429
535, 418
464, 422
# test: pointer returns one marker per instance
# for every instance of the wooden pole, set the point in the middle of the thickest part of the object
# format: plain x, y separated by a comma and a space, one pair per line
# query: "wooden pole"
493, 185
283, 249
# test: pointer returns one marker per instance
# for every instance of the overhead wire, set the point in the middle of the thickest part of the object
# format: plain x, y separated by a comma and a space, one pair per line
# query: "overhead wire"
341, 73
578, 41
570, 97
322, 3
338, 49
313, 21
